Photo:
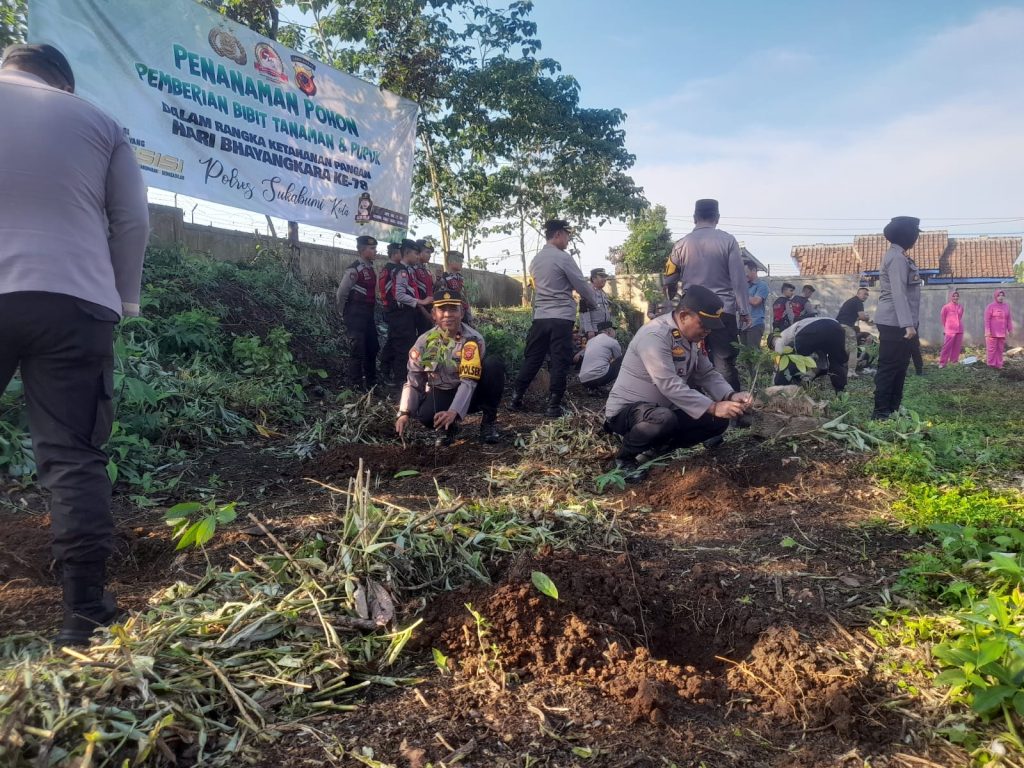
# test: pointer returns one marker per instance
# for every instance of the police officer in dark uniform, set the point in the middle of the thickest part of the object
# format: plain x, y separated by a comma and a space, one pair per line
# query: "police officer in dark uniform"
450, 377
454, 281
403, 306
424, 281
655, 403
385, 291
356, 301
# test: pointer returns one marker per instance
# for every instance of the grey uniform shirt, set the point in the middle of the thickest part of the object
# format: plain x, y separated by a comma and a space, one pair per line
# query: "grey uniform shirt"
459, 369
73, 213
899, 295
592, 314
711, 258
405, 294
598, 356
662, 367
555, 275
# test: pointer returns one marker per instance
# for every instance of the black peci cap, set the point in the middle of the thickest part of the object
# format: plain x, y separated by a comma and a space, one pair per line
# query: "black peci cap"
447, 297
604, 325
41, 55
706, 208
706, 303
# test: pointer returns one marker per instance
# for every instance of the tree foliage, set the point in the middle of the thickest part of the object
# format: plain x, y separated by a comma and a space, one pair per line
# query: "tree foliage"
13, 22
649, 243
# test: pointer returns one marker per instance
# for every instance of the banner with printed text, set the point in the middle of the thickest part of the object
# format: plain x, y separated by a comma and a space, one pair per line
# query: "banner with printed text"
215, 111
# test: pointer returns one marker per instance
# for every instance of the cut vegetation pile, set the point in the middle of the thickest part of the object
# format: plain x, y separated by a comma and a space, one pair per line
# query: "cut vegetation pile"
849, 593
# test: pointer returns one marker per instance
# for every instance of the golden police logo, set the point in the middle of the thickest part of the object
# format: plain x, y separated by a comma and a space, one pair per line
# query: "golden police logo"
304, 69
469, 367
678, 352
447, 295
268, 63
226, 44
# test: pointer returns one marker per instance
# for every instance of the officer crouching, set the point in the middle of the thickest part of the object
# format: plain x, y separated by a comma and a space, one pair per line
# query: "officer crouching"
654, 404
449, 377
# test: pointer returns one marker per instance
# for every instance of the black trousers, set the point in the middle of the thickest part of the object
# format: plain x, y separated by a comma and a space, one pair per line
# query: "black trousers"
65, 348
915, 354
609, 376
423, 322
486, 396
828, 339
401, 323
645, 426
894, 352
722, 351
547, 336
362, 333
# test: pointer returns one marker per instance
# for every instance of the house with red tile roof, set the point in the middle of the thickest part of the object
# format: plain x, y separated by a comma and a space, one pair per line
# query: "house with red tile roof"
942, 259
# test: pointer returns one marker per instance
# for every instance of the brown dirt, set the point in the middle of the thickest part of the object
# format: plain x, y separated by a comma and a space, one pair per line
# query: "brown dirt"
724, 630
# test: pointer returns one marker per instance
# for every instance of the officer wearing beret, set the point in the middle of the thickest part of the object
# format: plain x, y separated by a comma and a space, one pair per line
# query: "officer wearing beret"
591, 315
449, 376
711, 258
356, 301
655, 404
554, 274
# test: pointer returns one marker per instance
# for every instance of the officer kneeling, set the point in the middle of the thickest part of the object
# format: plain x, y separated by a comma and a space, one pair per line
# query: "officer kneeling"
653, 404
814, 336
449, 377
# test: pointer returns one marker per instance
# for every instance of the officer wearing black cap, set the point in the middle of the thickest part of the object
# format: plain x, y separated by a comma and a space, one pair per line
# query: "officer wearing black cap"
450, 377
553, 274
711, 258
356, 302
655, 403
593, 315
73, 230
898, 313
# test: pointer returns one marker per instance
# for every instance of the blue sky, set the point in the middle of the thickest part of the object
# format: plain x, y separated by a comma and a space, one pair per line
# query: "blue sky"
810, 121
801, 116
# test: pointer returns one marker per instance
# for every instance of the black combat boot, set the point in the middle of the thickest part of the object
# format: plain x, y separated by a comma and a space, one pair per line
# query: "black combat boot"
87, 604
554, 409
516, 403
631, 471
489, 430
446, 437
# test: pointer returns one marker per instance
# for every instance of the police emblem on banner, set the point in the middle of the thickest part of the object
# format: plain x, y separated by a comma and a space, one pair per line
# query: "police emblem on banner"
268, 63
304, 69
226, 44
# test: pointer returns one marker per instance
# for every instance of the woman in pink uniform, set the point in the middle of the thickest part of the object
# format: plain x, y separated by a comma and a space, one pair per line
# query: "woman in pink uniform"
998, 325
953, 326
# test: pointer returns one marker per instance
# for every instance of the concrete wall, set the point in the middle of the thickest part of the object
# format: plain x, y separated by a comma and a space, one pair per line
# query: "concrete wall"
832, 290
168, 227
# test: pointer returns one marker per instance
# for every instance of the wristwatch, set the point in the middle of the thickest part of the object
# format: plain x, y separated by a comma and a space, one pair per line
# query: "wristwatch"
405, 413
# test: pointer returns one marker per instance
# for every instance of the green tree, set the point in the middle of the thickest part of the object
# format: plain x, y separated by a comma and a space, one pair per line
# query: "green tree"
645, 251
13, 22
649, 243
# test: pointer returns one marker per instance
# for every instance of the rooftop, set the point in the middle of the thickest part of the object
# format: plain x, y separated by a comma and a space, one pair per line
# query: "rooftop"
935, 252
